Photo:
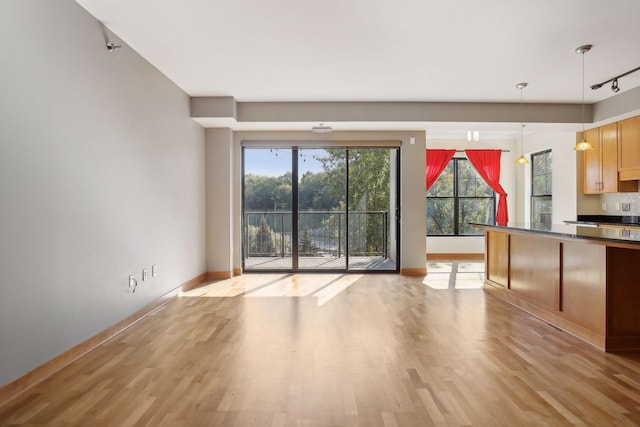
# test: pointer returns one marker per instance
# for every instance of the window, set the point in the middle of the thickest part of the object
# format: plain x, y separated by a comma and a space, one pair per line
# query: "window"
541, 188
459, 196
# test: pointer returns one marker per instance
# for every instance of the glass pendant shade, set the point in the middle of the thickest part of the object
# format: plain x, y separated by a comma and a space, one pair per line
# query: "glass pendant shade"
584, 145
522, 160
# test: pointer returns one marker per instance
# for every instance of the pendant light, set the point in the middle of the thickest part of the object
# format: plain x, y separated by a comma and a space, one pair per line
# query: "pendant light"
584, 145
522, 160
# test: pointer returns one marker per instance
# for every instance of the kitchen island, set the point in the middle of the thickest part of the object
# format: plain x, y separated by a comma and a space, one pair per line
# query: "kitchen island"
581, 279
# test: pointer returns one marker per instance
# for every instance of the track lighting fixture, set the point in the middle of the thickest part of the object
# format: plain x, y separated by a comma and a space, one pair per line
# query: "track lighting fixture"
584, 144
613, 80
614, 86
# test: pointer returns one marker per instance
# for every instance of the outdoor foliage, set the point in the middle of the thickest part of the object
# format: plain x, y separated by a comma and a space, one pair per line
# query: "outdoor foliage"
262, 242
306, 247
369, 190
261, 192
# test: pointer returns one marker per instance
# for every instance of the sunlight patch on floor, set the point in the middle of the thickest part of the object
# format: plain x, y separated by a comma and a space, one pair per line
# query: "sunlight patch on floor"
324, 286
455, 275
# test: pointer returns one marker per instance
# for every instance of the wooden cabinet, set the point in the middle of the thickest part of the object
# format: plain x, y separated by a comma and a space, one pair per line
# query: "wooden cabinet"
497, 250
592, 163
601, 164
584, 286
629, 148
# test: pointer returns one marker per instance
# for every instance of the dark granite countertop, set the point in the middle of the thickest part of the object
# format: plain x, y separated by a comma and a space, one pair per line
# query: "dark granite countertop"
631, 220
572, 231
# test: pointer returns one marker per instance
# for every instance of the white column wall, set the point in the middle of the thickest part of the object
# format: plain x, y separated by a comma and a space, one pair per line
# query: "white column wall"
219, 178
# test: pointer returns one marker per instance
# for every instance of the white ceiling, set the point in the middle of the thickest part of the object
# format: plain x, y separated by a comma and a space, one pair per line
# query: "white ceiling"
382, 50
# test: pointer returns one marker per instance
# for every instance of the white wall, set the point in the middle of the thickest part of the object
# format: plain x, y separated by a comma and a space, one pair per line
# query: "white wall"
101, 175
219, 176
564, 175
472, 244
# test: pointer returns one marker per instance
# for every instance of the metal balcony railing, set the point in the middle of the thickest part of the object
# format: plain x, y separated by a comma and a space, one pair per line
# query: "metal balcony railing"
321, 233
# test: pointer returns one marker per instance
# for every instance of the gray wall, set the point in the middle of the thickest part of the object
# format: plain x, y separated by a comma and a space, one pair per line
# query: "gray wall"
101, 175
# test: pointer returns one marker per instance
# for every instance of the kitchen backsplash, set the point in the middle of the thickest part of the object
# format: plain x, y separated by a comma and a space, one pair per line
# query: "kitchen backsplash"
619, 204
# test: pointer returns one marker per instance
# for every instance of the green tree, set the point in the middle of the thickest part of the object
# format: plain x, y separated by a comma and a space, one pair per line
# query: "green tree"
314, 194
306, 246
369, 190
440, 211
260, 192
262, 243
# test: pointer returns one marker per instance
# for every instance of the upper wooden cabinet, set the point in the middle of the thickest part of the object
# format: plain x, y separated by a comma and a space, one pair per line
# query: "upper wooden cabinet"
601, 164
592, 163
629, 149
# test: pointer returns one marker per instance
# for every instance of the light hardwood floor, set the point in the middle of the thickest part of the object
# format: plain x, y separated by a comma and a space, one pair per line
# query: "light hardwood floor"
338, 350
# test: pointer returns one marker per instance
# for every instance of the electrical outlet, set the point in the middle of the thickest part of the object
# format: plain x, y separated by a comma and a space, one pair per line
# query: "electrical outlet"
133, 283
626, 207
604, 206
145, 274
154, 270
617, 206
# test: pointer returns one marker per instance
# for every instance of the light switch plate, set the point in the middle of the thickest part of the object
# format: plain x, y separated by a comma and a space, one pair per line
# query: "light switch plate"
145, 274
154, 270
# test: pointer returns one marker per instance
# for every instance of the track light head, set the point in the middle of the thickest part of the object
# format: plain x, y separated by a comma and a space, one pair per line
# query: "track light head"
111, 47
598, 86
614, 86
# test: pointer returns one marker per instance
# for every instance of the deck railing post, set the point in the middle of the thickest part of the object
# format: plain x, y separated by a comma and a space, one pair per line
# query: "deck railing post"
282, 234
384, 233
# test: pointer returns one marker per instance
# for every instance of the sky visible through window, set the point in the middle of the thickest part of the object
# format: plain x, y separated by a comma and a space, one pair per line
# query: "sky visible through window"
276, 162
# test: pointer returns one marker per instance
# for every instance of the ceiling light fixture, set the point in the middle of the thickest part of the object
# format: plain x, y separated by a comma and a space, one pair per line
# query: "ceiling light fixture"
522, 160
613, 80
112, 47
321, 129
584, 144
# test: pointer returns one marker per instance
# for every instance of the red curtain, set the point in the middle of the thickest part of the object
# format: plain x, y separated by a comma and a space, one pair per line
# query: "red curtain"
436, 161
487, 163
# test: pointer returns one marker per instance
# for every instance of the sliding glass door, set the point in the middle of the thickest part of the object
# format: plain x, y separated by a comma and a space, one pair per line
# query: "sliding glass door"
371, 209
320, 209
267, 200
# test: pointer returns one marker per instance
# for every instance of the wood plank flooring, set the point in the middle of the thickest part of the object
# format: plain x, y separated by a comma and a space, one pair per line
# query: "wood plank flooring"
337, 350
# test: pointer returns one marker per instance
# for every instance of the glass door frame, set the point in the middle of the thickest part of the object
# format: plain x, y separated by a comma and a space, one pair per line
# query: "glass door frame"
295, 158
